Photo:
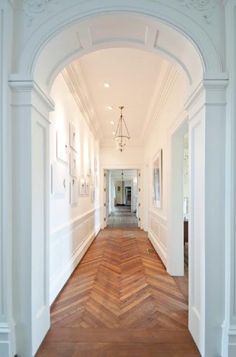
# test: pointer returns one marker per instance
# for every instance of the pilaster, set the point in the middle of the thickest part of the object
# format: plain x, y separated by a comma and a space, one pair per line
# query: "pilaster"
30, 115
207, 126
7, 344
229, 326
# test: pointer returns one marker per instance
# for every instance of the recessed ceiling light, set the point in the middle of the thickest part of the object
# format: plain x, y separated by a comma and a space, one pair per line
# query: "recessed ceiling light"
109, 107
106, 85
112, 122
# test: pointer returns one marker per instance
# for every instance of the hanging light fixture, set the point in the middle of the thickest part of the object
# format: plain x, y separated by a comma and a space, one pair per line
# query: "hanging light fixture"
122, 134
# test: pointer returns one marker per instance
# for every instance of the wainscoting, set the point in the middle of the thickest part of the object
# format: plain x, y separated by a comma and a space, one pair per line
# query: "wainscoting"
67, 247
157, 233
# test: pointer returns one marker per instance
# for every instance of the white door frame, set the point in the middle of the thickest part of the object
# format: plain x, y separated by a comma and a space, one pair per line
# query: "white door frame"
140, 190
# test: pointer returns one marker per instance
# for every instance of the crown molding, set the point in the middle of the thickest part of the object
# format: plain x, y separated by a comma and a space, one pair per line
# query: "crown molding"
74, 79
160, 97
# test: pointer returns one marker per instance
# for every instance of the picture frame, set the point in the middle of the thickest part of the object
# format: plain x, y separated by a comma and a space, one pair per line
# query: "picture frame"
157, 180
73, 137
92, 189
62, 151
87, 186
73, 191
74, 165
58, 179
82, 186
95, 165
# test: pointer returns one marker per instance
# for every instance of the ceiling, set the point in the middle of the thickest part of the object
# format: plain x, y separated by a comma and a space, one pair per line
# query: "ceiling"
113, 77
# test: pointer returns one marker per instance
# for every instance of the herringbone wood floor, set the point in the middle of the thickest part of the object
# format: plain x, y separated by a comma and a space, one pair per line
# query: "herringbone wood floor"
120, 302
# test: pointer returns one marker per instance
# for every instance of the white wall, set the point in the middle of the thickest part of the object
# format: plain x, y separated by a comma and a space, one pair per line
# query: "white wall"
159, 139
72, 226
132, 157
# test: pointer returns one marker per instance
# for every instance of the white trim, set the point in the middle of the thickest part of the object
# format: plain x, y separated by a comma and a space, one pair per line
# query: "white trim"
159, 248
65, 228
57, 285
157, 238
58, 280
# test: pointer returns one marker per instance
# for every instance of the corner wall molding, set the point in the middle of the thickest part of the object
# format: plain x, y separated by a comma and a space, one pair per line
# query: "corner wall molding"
73, 77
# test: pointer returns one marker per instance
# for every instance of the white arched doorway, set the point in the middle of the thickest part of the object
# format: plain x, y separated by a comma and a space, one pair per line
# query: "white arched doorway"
83, 30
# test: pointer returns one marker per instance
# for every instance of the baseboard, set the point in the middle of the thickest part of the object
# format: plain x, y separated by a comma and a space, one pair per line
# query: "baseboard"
158, 247
232, 341
59, 283
7, 340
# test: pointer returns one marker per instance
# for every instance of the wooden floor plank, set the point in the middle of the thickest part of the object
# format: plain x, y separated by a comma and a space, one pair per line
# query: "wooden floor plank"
120, 301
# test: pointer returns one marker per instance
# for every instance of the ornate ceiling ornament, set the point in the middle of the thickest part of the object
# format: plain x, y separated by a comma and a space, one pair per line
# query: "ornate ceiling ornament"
32, 8
201, 5
204, 7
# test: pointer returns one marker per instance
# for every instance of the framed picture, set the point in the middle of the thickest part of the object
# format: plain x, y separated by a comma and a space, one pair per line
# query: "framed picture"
95, 164
96, 180
73, 191
62, 147
73, 164
92, 189
82, 186
87, 185
74, 140
157, 180
58, 179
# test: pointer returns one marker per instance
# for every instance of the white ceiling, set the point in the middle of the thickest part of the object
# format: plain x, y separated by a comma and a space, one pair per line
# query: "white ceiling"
136, 79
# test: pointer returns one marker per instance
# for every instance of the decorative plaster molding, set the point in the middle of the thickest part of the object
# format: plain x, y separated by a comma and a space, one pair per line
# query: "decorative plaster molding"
210, 91
74, 80
205, 8
169, 79
30, 86
32, 8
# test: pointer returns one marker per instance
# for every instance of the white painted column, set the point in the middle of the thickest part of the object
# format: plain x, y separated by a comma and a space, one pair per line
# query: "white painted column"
175, 242
30, 111
7, 345
229, 327
207, 126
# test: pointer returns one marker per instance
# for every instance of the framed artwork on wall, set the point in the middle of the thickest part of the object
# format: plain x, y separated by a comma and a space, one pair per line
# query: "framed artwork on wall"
73, 164
92, 189
62, 147
157, 180
74, 137
73, 191
95, 164
58, 179
87, 186
82, 186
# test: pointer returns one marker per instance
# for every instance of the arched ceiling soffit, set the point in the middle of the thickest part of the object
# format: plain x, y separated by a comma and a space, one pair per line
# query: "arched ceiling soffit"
111, 31
153, 25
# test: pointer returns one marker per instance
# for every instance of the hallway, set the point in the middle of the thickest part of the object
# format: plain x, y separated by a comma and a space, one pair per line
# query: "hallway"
120, 302
122, 217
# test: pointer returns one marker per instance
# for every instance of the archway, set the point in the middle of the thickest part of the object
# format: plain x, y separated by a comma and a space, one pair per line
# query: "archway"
31, 106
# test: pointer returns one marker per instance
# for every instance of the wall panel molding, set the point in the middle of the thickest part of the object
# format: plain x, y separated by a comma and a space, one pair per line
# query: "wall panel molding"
68, 244
157, 233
